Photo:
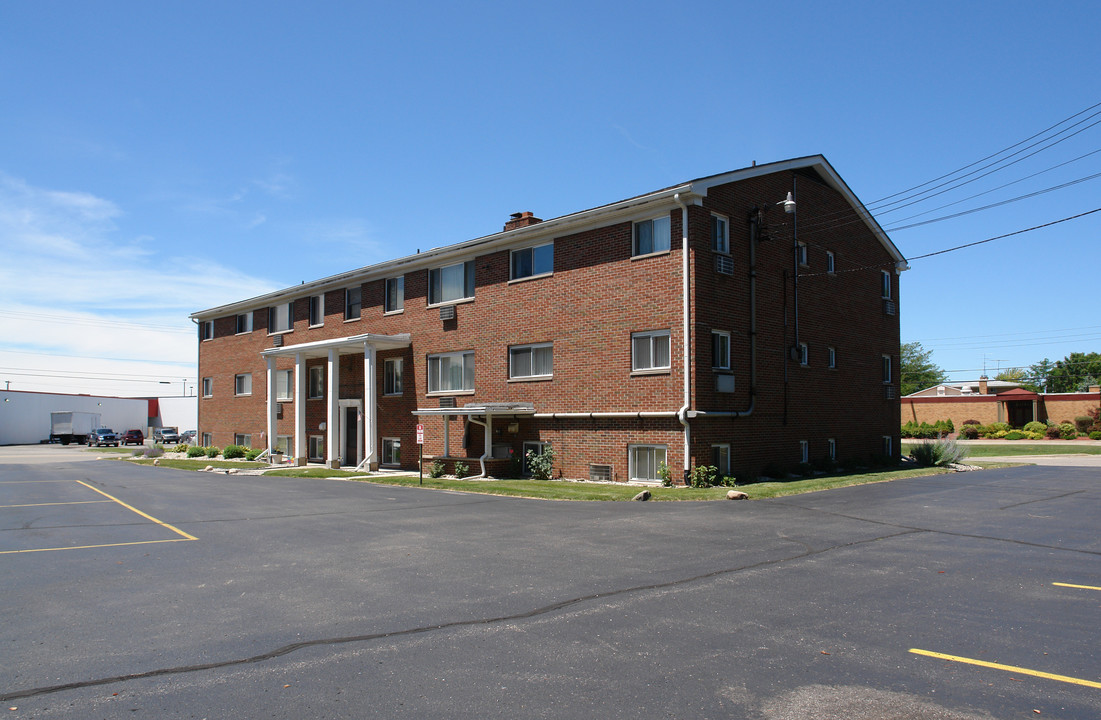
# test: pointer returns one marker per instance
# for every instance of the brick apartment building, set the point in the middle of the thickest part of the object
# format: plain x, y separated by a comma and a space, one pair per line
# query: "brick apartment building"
708, 323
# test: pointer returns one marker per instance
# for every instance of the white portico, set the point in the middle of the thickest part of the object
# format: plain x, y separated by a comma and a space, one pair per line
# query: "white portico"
347, 420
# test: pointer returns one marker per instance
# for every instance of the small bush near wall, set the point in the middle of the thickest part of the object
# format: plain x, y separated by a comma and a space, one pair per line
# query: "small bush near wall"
435, 469
1017, 435
941, 452
1067, 431
1082, 423
233, 452
196, 451
1035, 427
213, 452
969, 432
1095, 435
1053, 432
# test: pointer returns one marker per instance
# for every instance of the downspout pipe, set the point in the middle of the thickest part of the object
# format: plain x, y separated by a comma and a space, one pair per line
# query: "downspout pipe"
488, 449
682, 413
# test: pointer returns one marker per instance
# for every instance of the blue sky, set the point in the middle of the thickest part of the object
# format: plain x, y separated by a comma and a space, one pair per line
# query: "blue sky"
161, 158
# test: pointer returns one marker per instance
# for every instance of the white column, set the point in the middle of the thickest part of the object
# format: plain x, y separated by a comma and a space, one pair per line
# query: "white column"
299, 410
332, 403
272, 406
370, 406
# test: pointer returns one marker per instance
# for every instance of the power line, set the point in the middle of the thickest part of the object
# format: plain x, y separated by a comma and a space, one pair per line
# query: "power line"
46, 317
1000, 237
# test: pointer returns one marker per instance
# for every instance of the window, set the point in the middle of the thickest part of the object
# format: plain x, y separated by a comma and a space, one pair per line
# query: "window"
208, 387
208, 439
801, 253
317, 310
650, 350
529, 361
886, 369
284, 385
888, 446
651, 236
243, 440
940, 390
206, 330
244, 323
832, 444
804, 354
451, 372
645, 461
316, 448
831, 362
353, 303
720, 350
317, 383
831, 263
391, 383
532, 446
533, 261
391, 451
720, 239
395, 294
720, 458
280, 317
804, 451
283, 444
885, 284
242, 384
453, 282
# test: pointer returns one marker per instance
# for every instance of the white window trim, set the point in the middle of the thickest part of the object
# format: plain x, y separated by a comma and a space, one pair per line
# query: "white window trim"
347, 304
288, 391
249, 322
888, 367
382, 451
236, 384
804, 451
804, 354
718, 365
456, 301
242, 439
532, 347
290, 318
723, 471
392, 362
320, 370
207, 330
386, 309
458, 354
631, 448
656, 368
888, 446
634, 239
831, 444
801, 254
207, 439
885, 284
534, 275
208, 387
538, 446
321, 310
315, 441
726, 234
831, 262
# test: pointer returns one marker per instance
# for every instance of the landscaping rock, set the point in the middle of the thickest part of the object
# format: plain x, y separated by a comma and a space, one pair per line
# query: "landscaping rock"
157, 461
736, 495
644, 495
208, 468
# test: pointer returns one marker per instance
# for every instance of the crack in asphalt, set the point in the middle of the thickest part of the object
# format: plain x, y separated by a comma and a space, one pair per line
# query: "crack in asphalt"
1043, 499
543, 610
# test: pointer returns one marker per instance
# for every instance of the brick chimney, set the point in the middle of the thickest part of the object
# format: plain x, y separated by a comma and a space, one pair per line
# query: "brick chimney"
521, 219
983, 389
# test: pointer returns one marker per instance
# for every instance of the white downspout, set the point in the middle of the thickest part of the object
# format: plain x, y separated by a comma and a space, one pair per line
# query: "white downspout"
682, 413
488, 449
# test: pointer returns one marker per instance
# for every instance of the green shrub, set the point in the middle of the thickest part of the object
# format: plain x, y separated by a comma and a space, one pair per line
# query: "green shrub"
195, 451
1095, 435
938, 453
1082, 423
1053, 432
1035, 427
253, 454
665, 474
998, 427
541, 464
461, 470
1067, 431
703, 476
435, 469
233, 452
969, 432
181, 448
944, 427
213, 452
971, 422
1017, 435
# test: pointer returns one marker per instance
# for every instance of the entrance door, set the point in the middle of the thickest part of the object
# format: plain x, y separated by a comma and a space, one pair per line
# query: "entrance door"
1019, 412
350, 435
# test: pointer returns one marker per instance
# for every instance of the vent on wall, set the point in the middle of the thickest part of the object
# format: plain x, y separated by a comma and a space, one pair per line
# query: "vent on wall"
889, 392
447, 402
889, 307
447, 312
724, 264
277, 341
600, 473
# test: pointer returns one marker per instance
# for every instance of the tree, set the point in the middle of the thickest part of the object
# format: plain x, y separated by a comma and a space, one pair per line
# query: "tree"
1075, 372
1014, 375
1039, 375
917, 371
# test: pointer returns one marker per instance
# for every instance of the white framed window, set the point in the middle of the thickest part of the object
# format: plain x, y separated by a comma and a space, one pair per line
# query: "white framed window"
885, 284
940, 390
242, 439
888, 446
886, 369
804, 354
451, 283
644, 461
651, 236
395, 294
801, 253
831, 443
284, 385
720, 350
244, 323
242, 384
317, 310
353, 302
535, 446
804, 451
280, 318
831, 361
391, 377
316, 448
650, 350
532, 261
531, 361
451, 372
391, 451
208, 387
206, 330
283, 444
831, 262
720, 458
317, 383
208, 439
720, 234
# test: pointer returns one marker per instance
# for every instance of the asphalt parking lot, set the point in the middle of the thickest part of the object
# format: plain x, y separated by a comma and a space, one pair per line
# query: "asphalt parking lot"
146, 592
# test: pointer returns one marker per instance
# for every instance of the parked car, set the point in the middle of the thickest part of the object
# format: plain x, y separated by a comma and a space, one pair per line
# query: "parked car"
103, 436
137, 437
166, 435
188, 437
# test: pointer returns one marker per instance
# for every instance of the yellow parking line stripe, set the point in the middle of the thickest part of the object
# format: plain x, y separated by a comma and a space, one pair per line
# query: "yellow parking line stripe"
1080, 587
139, 512
75, 502
1008, 668
88, 547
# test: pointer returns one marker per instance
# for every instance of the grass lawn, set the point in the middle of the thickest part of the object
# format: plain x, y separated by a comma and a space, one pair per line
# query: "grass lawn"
200, 463
1021, 448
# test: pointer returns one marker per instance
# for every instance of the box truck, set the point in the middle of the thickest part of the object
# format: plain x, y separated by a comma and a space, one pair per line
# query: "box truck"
70, 426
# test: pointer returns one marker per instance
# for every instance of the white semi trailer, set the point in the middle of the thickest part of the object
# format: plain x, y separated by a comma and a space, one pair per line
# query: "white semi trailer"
69, 426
